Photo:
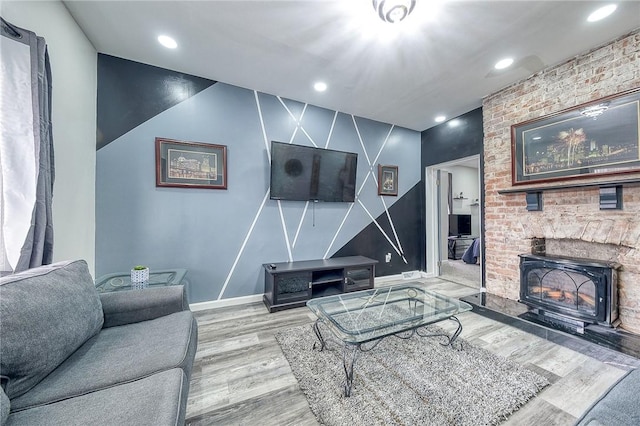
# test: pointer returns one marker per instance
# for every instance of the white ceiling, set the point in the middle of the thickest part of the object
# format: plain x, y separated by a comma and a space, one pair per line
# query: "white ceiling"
433, 66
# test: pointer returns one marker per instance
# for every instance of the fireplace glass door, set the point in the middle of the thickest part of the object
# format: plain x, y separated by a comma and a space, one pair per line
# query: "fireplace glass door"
581, 289
562, 288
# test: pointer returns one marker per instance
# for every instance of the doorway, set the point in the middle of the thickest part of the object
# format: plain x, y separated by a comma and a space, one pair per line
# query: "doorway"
454, 196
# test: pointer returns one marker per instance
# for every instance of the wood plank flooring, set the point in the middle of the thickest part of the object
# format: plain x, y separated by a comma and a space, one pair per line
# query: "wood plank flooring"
241, 377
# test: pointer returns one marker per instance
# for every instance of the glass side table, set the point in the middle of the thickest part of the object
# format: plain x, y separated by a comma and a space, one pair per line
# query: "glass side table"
120, 281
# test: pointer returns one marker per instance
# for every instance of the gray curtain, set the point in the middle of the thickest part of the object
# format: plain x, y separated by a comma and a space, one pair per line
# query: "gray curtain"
36, 247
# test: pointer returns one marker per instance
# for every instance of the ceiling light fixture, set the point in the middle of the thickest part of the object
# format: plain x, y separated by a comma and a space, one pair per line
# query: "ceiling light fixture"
602, 13
167, 42
393, 11
440, 119
320, 86
503, 63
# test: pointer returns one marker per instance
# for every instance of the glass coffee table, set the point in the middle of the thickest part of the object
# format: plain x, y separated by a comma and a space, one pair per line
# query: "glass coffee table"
360, 320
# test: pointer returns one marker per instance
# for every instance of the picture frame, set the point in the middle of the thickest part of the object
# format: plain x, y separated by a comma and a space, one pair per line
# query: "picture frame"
589, 140
183, 164
387, 180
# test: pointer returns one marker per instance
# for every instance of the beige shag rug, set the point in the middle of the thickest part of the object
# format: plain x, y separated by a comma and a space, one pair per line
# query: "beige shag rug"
409, 382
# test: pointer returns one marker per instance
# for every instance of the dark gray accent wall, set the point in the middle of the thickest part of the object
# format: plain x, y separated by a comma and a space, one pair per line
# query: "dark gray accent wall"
447, 142
457, 138
407, 226
222, 237
130, 93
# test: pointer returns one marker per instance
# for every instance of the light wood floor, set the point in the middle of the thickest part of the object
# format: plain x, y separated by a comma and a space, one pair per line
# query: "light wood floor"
241, 377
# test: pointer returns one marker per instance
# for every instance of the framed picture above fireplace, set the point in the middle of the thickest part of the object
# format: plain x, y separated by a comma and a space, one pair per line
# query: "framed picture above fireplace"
593, 139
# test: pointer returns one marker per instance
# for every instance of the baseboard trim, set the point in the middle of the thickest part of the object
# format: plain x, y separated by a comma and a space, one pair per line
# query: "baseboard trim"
234, 301
386, 278
243, 300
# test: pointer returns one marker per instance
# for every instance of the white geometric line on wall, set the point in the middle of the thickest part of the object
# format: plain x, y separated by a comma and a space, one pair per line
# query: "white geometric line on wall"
360, 139
380, 228
304, 213
393, 228
299, 126
284, 231
375, 160
375, 182
366, 178
244, 244
291, 244
384, 203
344, 219
264, 131
333, 123
298, 122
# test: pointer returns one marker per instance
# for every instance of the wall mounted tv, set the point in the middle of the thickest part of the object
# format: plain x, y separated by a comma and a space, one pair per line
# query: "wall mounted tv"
459, 225
304, 173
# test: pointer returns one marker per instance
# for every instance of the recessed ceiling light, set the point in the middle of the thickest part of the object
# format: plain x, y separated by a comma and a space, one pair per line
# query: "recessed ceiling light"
320, 86
167, 42
440, 119
503, 63
602, 13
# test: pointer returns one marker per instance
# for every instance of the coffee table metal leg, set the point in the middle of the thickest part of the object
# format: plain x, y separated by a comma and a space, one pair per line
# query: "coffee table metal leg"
316, 330
450, 339
455, 335
349, 357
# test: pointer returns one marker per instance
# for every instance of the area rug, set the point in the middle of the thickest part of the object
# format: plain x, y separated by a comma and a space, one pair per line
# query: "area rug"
409, 382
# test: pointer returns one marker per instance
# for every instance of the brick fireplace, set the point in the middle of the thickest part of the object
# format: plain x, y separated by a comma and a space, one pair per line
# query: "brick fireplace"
571, 222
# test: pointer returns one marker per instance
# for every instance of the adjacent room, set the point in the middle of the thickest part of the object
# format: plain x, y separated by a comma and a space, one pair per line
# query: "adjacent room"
412, 212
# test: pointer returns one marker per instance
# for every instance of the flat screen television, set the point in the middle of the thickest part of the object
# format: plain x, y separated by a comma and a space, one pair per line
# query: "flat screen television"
459, 225
305, 173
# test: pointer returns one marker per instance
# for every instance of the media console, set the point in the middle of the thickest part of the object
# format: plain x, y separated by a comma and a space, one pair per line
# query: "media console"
290, 284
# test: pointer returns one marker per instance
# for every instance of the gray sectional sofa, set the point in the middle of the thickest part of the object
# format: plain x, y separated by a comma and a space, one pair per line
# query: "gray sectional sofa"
72, 356
618, 406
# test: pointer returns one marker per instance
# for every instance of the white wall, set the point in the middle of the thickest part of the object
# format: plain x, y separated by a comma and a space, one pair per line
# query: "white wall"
74, 74
466, 180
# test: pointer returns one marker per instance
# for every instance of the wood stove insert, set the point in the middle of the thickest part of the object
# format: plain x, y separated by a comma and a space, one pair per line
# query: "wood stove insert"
570, 290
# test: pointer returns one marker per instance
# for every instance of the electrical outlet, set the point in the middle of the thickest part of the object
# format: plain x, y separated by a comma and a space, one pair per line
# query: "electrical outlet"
387, 257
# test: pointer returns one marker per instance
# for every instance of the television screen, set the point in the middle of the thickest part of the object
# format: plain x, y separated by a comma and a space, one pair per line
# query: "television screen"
459, 224
304, 173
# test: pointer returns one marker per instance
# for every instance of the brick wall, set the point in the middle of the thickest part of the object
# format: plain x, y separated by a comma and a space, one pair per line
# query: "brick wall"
569, 216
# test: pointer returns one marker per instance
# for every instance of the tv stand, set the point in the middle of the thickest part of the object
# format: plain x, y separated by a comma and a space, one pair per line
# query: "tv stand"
290, 284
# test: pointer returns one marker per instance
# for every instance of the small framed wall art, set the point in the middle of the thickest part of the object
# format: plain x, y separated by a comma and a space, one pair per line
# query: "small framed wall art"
190, 164
387, 180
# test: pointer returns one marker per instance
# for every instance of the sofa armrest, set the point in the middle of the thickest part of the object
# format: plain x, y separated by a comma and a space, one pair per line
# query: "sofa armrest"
127, 307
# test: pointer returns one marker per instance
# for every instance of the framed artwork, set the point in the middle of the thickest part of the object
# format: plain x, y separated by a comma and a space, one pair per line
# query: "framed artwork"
589, 140
387, 180
190, 164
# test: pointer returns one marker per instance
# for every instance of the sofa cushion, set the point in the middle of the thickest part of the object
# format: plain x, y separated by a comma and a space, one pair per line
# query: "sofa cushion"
118, 355
46, 313
617, 406
155, 400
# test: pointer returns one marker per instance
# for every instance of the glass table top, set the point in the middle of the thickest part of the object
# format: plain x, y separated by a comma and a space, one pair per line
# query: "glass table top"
122, 280
363, 316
